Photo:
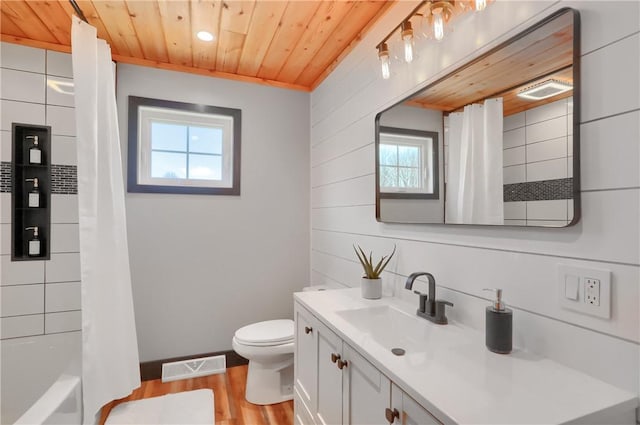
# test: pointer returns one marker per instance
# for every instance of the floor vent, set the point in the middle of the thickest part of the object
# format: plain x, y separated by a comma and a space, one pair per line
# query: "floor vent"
193, 368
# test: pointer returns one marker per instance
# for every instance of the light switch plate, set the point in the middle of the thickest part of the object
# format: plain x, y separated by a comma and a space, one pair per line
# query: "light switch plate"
586, 276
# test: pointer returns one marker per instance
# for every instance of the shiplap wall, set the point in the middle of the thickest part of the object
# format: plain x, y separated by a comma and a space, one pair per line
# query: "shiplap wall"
465, 259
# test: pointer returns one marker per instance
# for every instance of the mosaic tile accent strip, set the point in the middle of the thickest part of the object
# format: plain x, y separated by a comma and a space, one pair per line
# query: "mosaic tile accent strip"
64, 179
544, 190
5, 176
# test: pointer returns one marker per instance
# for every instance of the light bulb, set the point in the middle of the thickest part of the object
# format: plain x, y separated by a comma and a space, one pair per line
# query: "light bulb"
386, 72
438, 26
383, 54
408, 49
407, 38
480, 5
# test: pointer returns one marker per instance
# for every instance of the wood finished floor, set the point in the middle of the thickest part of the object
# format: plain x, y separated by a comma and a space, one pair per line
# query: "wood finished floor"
230, 405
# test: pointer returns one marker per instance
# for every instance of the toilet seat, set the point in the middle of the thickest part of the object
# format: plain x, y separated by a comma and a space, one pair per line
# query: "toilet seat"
266, 334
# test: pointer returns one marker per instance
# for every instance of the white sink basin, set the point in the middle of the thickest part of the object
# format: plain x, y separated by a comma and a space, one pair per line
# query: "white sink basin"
390, 327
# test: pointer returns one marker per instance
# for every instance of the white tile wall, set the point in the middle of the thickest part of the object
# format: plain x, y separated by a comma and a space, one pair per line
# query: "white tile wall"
5, 243
22, 86
26, 98
63, 268
5, 208
63, 150
515, 210
59, 64
60, 91
23, 58
546, 112
513, 138
543, 151
63, 322
514, 174
62, 296
547, 130
62, 120
64, 208
513, 121
19, 326
21, 272
547, 210
22, 299
5, 145
21, 112
65, 238
547, 170
514, 156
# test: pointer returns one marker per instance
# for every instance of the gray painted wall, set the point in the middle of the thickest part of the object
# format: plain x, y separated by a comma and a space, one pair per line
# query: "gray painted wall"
202, 266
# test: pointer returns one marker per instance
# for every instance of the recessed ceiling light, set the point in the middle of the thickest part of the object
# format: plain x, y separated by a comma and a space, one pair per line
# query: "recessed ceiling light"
205, 36
545, 89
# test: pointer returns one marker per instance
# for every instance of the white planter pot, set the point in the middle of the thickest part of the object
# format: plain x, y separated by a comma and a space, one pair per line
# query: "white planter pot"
371, 288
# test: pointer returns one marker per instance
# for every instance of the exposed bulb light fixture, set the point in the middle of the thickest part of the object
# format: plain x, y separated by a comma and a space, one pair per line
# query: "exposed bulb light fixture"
545, 89
383, 54
432, 17
205, 36
438, 26
407, 38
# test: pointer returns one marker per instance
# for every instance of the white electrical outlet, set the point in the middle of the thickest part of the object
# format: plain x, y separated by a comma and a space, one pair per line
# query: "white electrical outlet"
592, 291
587, 291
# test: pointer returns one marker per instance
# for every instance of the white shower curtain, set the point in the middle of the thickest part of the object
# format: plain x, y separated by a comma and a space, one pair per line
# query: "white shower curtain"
110, 365
474, 179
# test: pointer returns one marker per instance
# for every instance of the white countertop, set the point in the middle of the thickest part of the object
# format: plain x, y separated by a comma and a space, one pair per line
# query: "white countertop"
451, 373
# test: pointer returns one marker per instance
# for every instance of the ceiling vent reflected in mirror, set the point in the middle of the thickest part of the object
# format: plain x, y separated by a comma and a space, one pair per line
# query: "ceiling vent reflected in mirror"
544, 90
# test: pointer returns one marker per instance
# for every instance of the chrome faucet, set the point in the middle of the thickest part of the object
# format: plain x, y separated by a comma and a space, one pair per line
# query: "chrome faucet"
429, 308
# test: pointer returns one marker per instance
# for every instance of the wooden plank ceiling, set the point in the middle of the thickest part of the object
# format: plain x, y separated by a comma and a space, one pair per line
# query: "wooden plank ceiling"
293, 44
544, 54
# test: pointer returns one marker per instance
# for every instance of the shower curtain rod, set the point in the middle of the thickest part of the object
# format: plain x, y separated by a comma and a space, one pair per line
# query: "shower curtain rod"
78, 11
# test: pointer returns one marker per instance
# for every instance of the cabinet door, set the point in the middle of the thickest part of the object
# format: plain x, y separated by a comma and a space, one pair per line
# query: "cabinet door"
329, 378
305, 357
410, 412
366, 391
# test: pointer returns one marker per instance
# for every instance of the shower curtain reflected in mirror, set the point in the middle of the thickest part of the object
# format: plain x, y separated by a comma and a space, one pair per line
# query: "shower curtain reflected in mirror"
474, 189
110, 365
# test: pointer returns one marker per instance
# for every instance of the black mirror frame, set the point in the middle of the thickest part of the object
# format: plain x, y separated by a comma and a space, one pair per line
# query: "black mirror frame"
577, 210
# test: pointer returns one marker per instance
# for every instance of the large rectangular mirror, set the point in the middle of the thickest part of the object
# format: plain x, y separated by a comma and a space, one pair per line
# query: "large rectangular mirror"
495, 142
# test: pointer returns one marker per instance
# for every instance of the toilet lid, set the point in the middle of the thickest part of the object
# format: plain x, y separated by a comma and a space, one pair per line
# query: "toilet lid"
269, 332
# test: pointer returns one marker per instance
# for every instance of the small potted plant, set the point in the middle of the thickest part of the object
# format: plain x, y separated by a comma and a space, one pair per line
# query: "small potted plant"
371, 281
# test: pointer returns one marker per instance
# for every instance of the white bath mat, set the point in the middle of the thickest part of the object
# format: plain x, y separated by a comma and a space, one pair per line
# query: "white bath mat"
189, 407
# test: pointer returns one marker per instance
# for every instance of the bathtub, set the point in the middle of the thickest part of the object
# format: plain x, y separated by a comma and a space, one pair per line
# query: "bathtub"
39, 375
60, 404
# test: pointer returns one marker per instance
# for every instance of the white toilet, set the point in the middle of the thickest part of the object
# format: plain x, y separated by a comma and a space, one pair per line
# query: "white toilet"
269, 348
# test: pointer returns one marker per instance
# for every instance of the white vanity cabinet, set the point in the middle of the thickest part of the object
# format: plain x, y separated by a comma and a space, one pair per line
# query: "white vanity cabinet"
335, 385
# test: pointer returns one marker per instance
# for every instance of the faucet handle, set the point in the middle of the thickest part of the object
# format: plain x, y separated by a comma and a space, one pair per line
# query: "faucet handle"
441, 318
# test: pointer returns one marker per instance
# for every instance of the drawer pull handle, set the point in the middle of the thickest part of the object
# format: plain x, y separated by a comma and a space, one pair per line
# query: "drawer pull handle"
335, 357
308, 329
342, 364
391, 415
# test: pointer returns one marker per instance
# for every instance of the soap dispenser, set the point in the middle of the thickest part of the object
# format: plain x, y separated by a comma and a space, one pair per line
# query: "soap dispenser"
34, 195
499, 325
34, 243
35, 154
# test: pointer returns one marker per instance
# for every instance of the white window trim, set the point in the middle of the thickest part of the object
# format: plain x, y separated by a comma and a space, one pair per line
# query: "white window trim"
149, 114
